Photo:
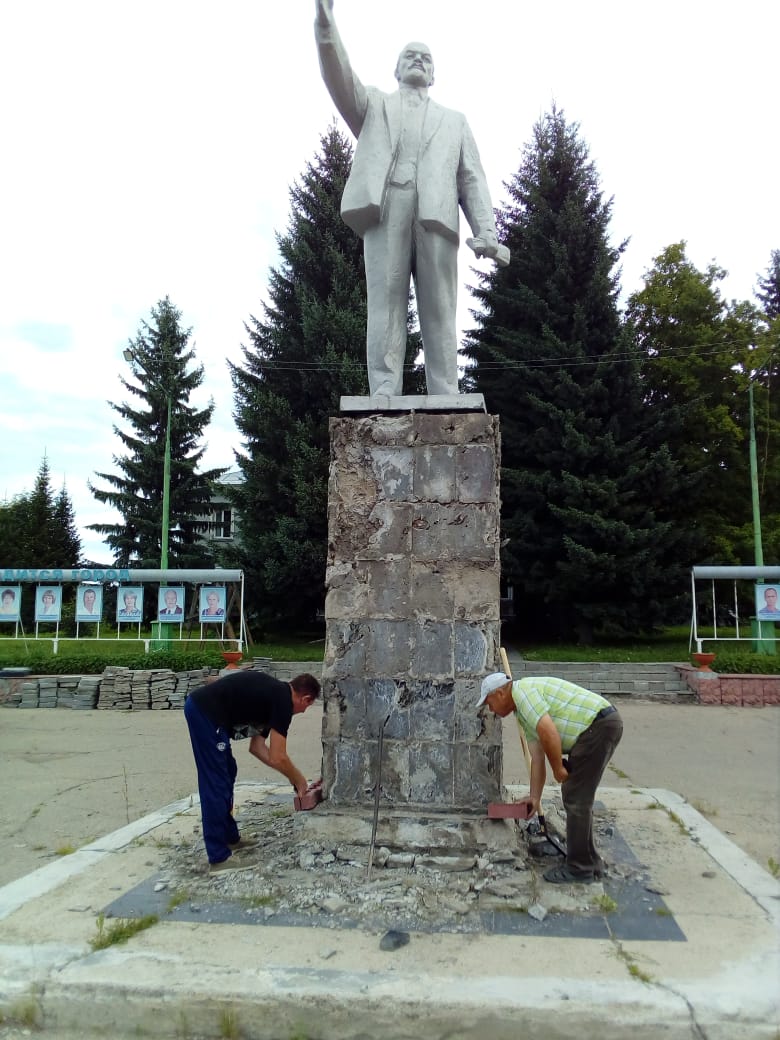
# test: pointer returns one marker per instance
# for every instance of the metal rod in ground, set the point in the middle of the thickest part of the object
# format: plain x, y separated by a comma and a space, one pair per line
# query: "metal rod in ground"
377, 792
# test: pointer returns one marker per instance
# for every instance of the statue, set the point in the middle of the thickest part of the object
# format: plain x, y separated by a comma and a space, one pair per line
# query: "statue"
415, 163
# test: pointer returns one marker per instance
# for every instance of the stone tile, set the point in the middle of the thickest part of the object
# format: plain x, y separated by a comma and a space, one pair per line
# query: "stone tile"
476, 474
388, 588
434, 473
432, 650
471, 649
432, 712
431, 773
394, 472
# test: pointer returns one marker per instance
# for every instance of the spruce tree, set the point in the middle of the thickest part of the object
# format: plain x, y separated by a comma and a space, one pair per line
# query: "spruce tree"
159, 357
38, 529
306, 351
585, 477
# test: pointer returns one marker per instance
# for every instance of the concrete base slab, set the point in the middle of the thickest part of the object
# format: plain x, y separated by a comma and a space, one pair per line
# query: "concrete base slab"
409, 403
185, 978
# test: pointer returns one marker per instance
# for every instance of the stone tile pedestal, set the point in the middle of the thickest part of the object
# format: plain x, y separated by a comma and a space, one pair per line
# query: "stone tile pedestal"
412, 612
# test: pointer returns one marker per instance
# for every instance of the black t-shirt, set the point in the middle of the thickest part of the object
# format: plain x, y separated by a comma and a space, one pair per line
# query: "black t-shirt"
247, 699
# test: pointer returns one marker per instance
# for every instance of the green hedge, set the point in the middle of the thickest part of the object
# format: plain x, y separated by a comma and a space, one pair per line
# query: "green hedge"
732, 662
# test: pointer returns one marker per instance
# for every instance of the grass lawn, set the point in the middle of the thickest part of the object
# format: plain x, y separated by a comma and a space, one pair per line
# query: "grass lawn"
92, 655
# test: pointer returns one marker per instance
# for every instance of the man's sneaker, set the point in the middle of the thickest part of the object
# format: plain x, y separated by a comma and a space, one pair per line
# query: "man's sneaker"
229, 866
243, 843
562, 875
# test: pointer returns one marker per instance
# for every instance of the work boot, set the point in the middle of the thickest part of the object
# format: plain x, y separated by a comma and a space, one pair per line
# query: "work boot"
229, 866
241, 844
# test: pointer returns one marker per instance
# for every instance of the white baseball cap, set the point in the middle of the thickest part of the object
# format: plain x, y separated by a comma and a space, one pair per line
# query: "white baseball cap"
491, 682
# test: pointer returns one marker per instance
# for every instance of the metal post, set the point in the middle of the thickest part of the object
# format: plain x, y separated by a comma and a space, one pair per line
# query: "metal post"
758, 547
160, 642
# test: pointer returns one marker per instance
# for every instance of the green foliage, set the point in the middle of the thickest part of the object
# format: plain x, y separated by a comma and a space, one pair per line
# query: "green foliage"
304, 353
120, 930
160, 362
38, 529
740, 662
585, 478
697, 356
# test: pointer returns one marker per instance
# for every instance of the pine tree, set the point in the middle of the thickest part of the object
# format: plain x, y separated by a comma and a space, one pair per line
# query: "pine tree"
159, 357
67, 543
585, 477
306, 351
38, 529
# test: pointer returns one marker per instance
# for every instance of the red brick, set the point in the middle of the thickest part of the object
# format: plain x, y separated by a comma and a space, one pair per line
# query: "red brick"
771, 691
730, 690
752, 693
709, 691
507, 811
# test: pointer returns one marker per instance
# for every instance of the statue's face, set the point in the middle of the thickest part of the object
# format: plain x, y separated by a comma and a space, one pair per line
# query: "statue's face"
415, 66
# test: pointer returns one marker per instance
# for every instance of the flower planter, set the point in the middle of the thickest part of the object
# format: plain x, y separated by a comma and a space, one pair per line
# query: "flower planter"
703, 661
232, 657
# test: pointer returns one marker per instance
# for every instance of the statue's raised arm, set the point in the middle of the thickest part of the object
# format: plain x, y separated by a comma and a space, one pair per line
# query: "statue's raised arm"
348, 93
324, 11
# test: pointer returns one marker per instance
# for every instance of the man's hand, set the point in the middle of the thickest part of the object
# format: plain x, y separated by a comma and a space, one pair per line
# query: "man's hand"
561, 773
324, 11
531, 805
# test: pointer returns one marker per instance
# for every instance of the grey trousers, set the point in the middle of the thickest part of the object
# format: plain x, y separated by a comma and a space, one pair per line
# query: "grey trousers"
396, 250
587, 760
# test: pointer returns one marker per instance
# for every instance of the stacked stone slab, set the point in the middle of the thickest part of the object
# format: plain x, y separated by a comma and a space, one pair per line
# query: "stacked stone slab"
87, 691
412, 610
29, 698
47, 692
116, 686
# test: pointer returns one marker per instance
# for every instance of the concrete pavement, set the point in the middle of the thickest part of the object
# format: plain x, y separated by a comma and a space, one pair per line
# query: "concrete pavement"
95, 781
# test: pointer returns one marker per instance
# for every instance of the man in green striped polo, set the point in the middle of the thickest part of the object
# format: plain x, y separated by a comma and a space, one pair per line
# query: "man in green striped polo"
560, 718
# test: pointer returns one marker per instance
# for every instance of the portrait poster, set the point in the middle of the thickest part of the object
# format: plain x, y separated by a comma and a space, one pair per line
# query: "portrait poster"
10, 602
89, 603
48, 603
130, 603
768, 602
170, 604
212, 604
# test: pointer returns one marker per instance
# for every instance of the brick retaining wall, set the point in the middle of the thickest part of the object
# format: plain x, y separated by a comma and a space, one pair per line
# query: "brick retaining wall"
747, 691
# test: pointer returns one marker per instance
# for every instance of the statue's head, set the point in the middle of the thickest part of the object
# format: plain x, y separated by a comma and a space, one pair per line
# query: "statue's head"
415, 65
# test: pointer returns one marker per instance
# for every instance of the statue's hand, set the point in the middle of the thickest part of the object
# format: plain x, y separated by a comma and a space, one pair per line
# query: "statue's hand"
324, 11
487, 245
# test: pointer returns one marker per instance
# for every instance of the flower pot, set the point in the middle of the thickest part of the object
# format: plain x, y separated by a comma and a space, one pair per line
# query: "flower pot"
232, 657
703, 661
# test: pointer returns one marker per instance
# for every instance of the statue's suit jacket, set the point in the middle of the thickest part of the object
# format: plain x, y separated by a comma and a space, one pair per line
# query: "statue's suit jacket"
449, 171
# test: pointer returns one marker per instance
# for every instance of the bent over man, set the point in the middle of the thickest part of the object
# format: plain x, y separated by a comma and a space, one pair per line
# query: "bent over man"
559, 717
213, 713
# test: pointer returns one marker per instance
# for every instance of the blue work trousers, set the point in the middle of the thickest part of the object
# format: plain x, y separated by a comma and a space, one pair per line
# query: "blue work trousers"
217, 772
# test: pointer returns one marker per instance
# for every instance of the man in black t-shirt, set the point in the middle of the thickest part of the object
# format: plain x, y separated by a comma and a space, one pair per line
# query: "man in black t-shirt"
214, 713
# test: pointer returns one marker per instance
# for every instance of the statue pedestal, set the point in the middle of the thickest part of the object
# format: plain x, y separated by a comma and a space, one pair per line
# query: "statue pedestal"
412, 612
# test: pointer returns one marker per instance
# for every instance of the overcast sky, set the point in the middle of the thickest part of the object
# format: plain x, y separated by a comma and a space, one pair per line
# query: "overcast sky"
148, 150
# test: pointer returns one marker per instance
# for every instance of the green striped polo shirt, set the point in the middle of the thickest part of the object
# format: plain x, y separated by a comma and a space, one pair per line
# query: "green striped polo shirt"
572, 708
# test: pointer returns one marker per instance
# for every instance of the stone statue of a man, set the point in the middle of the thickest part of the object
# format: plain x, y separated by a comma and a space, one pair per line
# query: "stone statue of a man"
415, 164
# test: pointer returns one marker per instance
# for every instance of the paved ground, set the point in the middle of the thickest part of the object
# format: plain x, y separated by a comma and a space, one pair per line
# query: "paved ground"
72, 778
76, 775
